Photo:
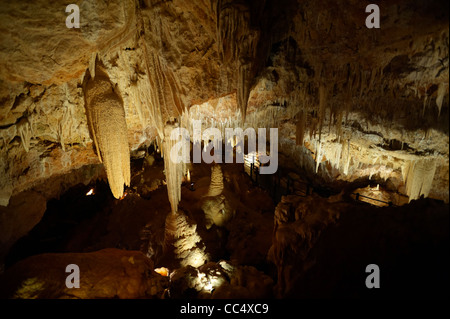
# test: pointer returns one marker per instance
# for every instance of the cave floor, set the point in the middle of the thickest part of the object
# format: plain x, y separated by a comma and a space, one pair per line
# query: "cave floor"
273, 246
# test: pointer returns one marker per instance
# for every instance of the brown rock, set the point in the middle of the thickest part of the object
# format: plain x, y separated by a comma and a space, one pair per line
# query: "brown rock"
108, 273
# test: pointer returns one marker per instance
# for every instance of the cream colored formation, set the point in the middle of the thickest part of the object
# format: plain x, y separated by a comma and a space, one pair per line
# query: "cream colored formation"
327, 84
106, 119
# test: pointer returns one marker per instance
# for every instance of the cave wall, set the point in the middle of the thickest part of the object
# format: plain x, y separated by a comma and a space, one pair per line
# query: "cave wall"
343, 96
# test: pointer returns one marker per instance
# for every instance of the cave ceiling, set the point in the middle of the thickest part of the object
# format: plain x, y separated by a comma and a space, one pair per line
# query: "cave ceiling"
349, 102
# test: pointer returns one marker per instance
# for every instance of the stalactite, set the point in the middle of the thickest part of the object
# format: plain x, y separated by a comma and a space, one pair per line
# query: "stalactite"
313, 125
300, 128
25, 132
405, 170
322, 107
363, 83
318, 156
238, 44
348, 158
419, 177
66, 159
243, 89
425, 104
267, 117
339, 126
333, 152
157, 92
92, 64
174, 171
106, 119
440, 96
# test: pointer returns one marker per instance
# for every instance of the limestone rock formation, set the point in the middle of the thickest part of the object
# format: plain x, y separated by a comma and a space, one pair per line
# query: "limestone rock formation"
106, 119
221, 280
174, 168
218, 211
217, 208
22, 214
288, 63
216, 185
182, 238
323, 246
108, 273
354, 108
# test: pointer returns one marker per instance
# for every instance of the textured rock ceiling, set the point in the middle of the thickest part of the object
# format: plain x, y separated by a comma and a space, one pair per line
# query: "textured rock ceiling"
350, 103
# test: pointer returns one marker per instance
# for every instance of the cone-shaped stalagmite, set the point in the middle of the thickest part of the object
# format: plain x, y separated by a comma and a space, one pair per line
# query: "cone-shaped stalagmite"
181, 236
216, 186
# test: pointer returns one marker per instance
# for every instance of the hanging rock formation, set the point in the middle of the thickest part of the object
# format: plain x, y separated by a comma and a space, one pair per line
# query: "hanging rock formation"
106, 119
354, 107
173, 169
290, 64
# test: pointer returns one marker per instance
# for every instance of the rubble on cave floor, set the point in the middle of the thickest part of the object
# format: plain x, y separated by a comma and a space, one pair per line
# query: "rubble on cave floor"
87, 220
306, 245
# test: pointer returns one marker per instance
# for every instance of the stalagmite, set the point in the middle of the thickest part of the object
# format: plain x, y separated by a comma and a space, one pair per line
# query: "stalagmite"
217, 211
216, 186
215, 205
106, 119
181, 236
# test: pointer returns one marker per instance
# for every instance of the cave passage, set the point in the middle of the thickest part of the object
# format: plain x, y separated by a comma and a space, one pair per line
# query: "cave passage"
233, 222
224, 149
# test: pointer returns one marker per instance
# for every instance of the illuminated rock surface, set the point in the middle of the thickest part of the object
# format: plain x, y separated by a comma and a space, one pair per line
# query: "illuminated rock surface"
358, 111
106, 119
356, 90
109, 273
